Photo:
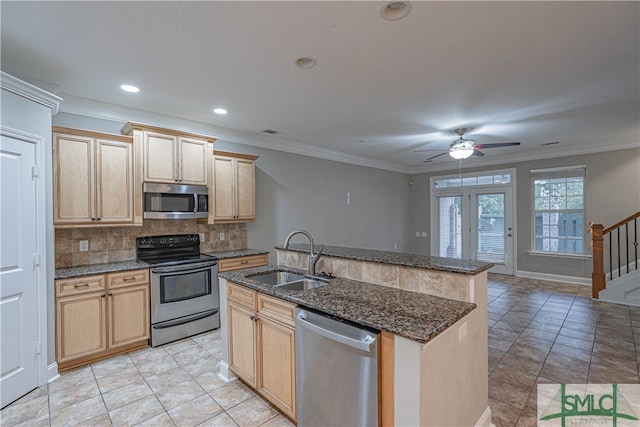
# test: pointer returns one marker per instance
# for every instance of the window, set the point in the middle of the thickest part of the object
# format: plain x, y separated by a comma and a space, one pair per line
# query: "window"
558, 210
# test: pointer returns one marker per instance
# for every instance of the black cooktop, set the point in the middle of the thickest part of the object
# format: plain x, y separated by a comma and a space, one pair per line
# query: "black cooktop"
171, 250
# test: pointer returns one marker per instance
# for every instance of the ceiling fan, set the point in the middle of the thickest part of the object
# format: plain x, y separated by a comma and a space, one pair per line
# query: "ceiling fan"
463, 148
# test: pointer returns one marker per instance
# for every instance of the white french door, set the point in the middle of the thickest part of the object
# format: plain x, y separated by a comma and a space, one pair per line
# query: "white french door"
475, 223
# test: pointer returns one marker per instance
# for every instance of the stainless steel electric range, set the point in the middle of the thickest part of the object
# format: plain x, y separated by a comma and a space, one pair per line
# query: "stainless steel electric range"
184, 287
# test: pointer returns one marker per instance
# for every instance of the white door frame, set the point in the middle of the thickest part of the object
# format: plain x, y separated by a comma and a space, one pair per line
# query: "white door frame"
463, 190
41, 243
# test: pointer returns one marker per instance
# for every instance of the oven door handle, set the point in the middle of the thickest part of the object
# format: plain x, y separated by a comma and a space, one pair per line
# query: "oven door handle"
182, 269
186, 319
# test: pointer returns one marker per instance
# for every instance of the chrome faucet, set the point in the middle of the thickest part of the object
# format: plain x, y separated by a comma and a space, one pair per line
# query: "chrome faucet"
313, 258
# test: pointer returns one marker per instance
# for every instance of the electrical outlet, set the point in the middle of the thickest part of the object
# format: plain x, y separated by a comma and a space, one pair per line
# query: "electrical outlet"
84, 245
221, 237
423, 234
462, 332
395, 246
348, 197
201, 237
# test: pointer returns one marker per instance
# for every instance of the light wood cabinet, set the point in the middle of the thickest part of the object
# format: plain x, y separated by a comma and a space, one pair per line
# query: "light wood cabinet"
100, 316
262, 345
229, 264
93, 179
171, 156
233, 188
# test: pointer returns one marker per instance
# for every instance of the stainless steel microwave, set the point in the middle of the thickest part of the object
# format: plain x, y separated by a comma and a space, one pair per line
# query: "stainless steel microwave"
174, 201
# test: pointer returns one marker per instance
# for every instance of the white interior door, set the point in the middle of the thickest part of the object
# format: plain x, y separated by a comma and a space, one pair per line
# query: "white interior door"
476, 224
19, 312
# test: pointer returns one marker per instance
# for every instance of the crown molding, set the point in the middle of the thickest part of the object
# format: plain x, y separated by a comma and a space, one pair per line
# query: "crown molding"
31, 92
100, 110
527, 156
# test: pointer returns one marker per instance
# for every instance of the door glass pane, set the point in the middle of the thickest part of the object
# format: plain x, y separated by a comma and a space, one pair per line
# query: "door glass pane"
450, 226
490, 237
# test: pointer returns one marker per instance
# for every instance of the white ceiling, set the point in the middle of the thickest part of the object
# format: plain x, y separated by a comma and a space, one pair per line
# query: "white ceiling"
535, 72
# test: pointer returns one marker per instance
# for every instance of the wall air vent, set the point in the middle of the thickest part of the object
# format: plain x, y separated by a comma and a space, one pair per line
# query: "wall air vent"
271, 131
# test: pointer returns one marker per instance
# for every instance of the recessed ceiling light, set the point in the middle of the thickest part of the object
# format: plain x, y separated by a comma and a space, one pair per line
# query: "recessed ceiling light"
305, 62
395, 10
130, 88
220, 111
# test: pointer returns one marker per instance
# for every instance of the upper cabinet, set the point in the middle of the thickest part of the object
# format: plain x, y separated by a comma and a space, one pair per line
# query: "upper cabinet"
94, 179
233, 188
171, 156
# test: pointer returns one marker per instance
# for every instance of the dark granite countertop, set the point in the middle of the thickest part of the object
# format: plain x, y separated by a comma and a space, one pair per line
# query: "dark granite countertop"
416, 316
237, 253
451, 265
91, 269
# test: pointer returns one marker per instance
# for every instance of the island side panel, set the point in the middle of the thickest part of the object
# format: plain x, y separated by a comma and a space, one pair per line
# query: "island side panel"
453, 374
225, 373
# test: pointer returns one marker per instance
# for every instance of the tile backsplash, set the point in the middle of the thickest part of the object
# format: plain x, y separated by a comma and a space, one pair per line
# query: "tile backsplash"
109, 244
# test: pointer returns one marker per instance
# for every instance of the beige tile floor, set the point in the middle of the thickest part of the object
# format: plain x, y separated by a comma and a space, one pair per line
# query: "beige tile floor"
173, 385
539, 332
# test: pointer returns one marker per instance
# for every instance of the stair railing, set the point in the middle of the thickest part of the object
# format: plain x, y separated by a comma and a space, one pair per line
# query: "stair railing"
620, 243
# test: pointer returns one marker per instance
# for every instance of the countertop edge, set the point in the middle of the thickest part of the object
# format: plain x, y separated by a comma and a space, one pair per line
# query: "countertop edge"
402, 259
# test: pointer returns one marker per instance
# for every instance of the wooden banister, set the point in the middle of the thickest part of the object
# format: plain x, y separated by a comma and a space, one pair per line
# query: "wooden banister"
598, 280
621, 223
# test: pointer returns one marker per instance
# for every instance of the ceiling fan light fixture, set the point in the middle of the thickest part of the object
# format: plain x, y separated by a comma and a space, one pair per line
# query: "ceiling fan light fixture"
461, 152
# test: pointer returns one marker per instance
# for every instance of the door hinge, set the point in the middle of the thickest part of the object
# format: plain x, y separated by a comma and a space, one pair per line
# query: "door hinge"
35, 171
36, 260
38, 348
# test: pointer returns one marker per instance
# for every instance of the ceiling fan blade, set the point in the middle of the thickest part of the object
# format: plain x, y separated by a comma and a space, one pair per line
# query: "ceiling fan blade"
433, 157
478, 153
496, 145
423, 150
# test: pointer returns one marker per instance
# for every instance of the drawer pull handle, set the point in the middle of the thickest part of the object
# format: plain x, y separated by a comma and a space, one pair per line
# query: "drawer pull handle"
128, 279
244, 262
84, 285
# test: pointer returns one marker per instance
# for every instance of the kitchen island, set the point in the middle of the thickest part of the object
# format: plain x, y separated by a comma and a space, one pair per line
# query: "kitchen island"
432, 314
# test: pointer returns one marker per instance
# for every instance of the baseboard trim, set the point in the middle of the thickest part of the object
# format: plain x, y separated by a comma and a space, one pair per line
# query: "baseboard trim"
554, 277
225, 373
485, 419
52, 372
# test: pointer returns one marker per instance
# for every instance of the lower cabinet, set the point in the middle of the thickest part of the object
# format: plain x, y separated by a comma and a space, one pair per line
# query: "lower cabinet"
262, 345
100, 316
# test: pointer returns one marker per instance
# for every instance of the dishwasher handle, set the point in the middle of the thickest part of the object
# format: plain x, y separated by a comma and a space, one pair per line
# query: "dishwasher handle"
365, 345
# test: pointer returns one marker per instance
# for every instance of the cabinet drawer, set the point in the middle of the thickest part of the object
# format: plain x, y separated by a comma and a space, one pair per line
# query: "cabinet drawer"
128, 278
242, 296
242, 262
79, 285
276, 309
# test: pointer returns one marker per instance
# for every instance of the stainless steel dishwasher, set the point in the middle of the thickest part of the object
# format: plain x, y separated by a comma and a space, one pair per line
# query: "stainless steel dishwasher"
336, 371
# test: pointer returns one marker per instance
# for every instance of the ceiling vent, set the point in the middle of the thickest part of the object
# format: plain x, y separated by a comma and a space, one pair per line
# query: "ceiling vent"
271, 131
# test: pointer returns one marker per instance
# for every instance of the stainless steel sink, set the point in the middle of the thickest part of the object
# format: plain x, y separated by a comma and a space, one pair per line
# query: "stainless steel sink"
276, 278
302, 285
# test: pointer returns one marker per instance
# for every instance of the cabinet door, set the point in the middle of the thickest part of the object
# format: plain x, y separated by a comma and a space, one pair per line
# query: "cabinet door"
245, 190
223, 183
81, 326
276, 365
160, 157
128, 315
193, 161
114, 181
73, 199
242, 343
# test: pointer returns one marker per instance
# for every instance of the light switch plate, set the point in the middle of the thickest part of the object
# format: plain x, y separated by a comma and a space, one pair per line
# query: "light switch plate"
201, 237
